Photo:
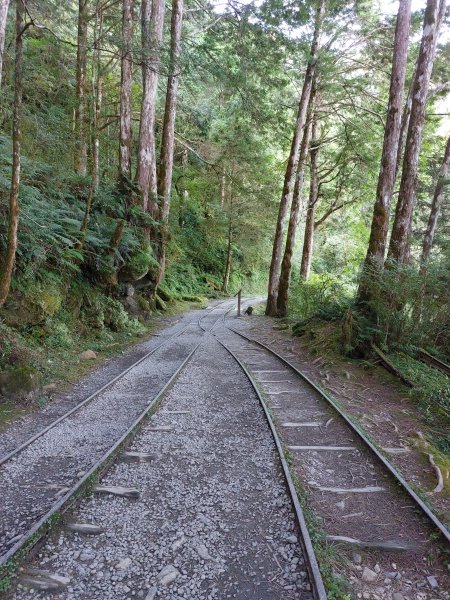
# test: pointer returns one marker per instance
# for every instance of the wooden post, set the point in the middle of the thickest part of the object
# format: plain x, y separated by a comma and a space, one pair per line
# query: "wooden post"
239, 303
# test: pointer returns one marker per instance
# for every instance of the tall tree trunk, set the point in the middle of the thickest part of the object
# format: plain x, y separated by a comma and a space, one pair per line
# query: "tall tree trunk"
81, 89
391, 148
286, 265
399, 243
291, 169
13, 222
183, 193
126, 82
227, 273
436, 204
222, 188
404, 128
152, 19
308, 240
168, 139
97, 88
4, 6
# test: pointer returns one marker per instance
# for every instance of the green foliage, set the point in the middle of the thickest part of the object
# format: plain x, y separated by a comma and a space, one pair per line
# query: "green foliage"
432, 392
321, 296
412, 308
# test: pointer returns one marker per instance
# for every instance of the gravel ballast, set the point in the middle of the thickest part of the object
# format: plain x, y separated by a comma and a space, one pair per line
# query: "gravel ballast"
213, 519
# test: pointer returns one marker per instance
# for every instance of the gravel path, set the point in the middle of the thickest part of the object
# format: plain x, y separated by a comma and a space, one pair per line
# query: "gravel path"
33, 480
213, 519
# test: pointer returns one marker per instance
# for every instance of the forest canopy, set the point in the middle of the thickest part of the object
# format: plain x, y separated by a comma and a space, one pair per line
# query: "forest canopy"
154, 149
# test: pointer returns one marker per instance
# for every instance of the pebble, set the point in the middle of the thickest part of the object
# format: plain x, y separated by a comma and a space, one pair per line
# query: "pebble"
368, 575
397, 596
433, 582
356, 558
151, 594
167, 575
123, 564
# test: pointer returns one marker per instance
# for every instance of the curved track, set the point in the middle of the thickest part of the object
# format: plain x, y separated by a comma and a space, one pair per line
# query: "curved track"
40, 476
207, 323
361, 436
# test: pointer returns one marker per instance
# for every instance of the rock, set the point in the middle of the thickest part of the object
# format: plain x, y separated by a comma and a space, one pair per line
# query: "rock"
397, 596
88, 355
356, 558
433, 582
167, 575
202, 551
50, 387
368, 575
123, 564
151, 594
178, 543
87, 555
377, 569
20, 384
340, 504
291, 539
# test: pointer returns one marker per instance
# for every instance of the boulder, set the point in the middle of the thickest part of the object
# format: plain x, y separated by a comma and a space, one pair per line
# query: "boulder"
88, 355
20, 384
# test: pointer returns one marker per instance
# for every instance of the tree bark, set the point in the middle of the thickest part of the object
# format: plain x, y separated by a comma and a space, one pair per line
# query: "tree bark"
152, 20
97, 88
286, 265
126, 82
226, 276
4, 6
289, 178
81, 90
13, 222
308, 240
438, 198
391, 148
168, 139
399, 243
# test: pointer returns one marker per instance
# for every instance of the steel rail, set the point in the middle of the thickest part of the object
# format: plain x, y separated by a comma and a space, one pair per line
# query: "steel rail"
94, 395
46, 522
361, 434
433, 362
315, 577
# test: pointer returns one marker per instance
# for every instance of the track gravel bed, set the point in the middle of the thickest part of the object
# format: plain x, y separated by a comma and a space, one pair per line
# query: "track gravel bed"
29, 425
32, 481
214, 519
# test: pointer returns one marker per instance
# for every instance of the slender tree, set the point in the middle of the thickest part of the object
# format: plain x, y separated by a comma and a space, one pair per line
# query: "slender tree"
152, 23
4, 6
285, 273
168, 135
308, 239
436, 203
388, 168
399, 243
291, 169
229, 258
13, 222
81, 90
126, 82
97, 93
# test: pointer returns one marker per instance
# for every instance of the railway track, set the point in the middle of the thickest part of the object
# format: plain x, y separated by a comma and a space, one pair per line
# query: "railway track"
434, 362
150, 446
40, 477
361, 498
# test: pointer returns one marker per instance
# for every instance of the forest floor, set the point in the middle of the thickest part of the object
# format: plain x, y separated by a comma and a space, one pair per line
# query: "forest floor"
377, 400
